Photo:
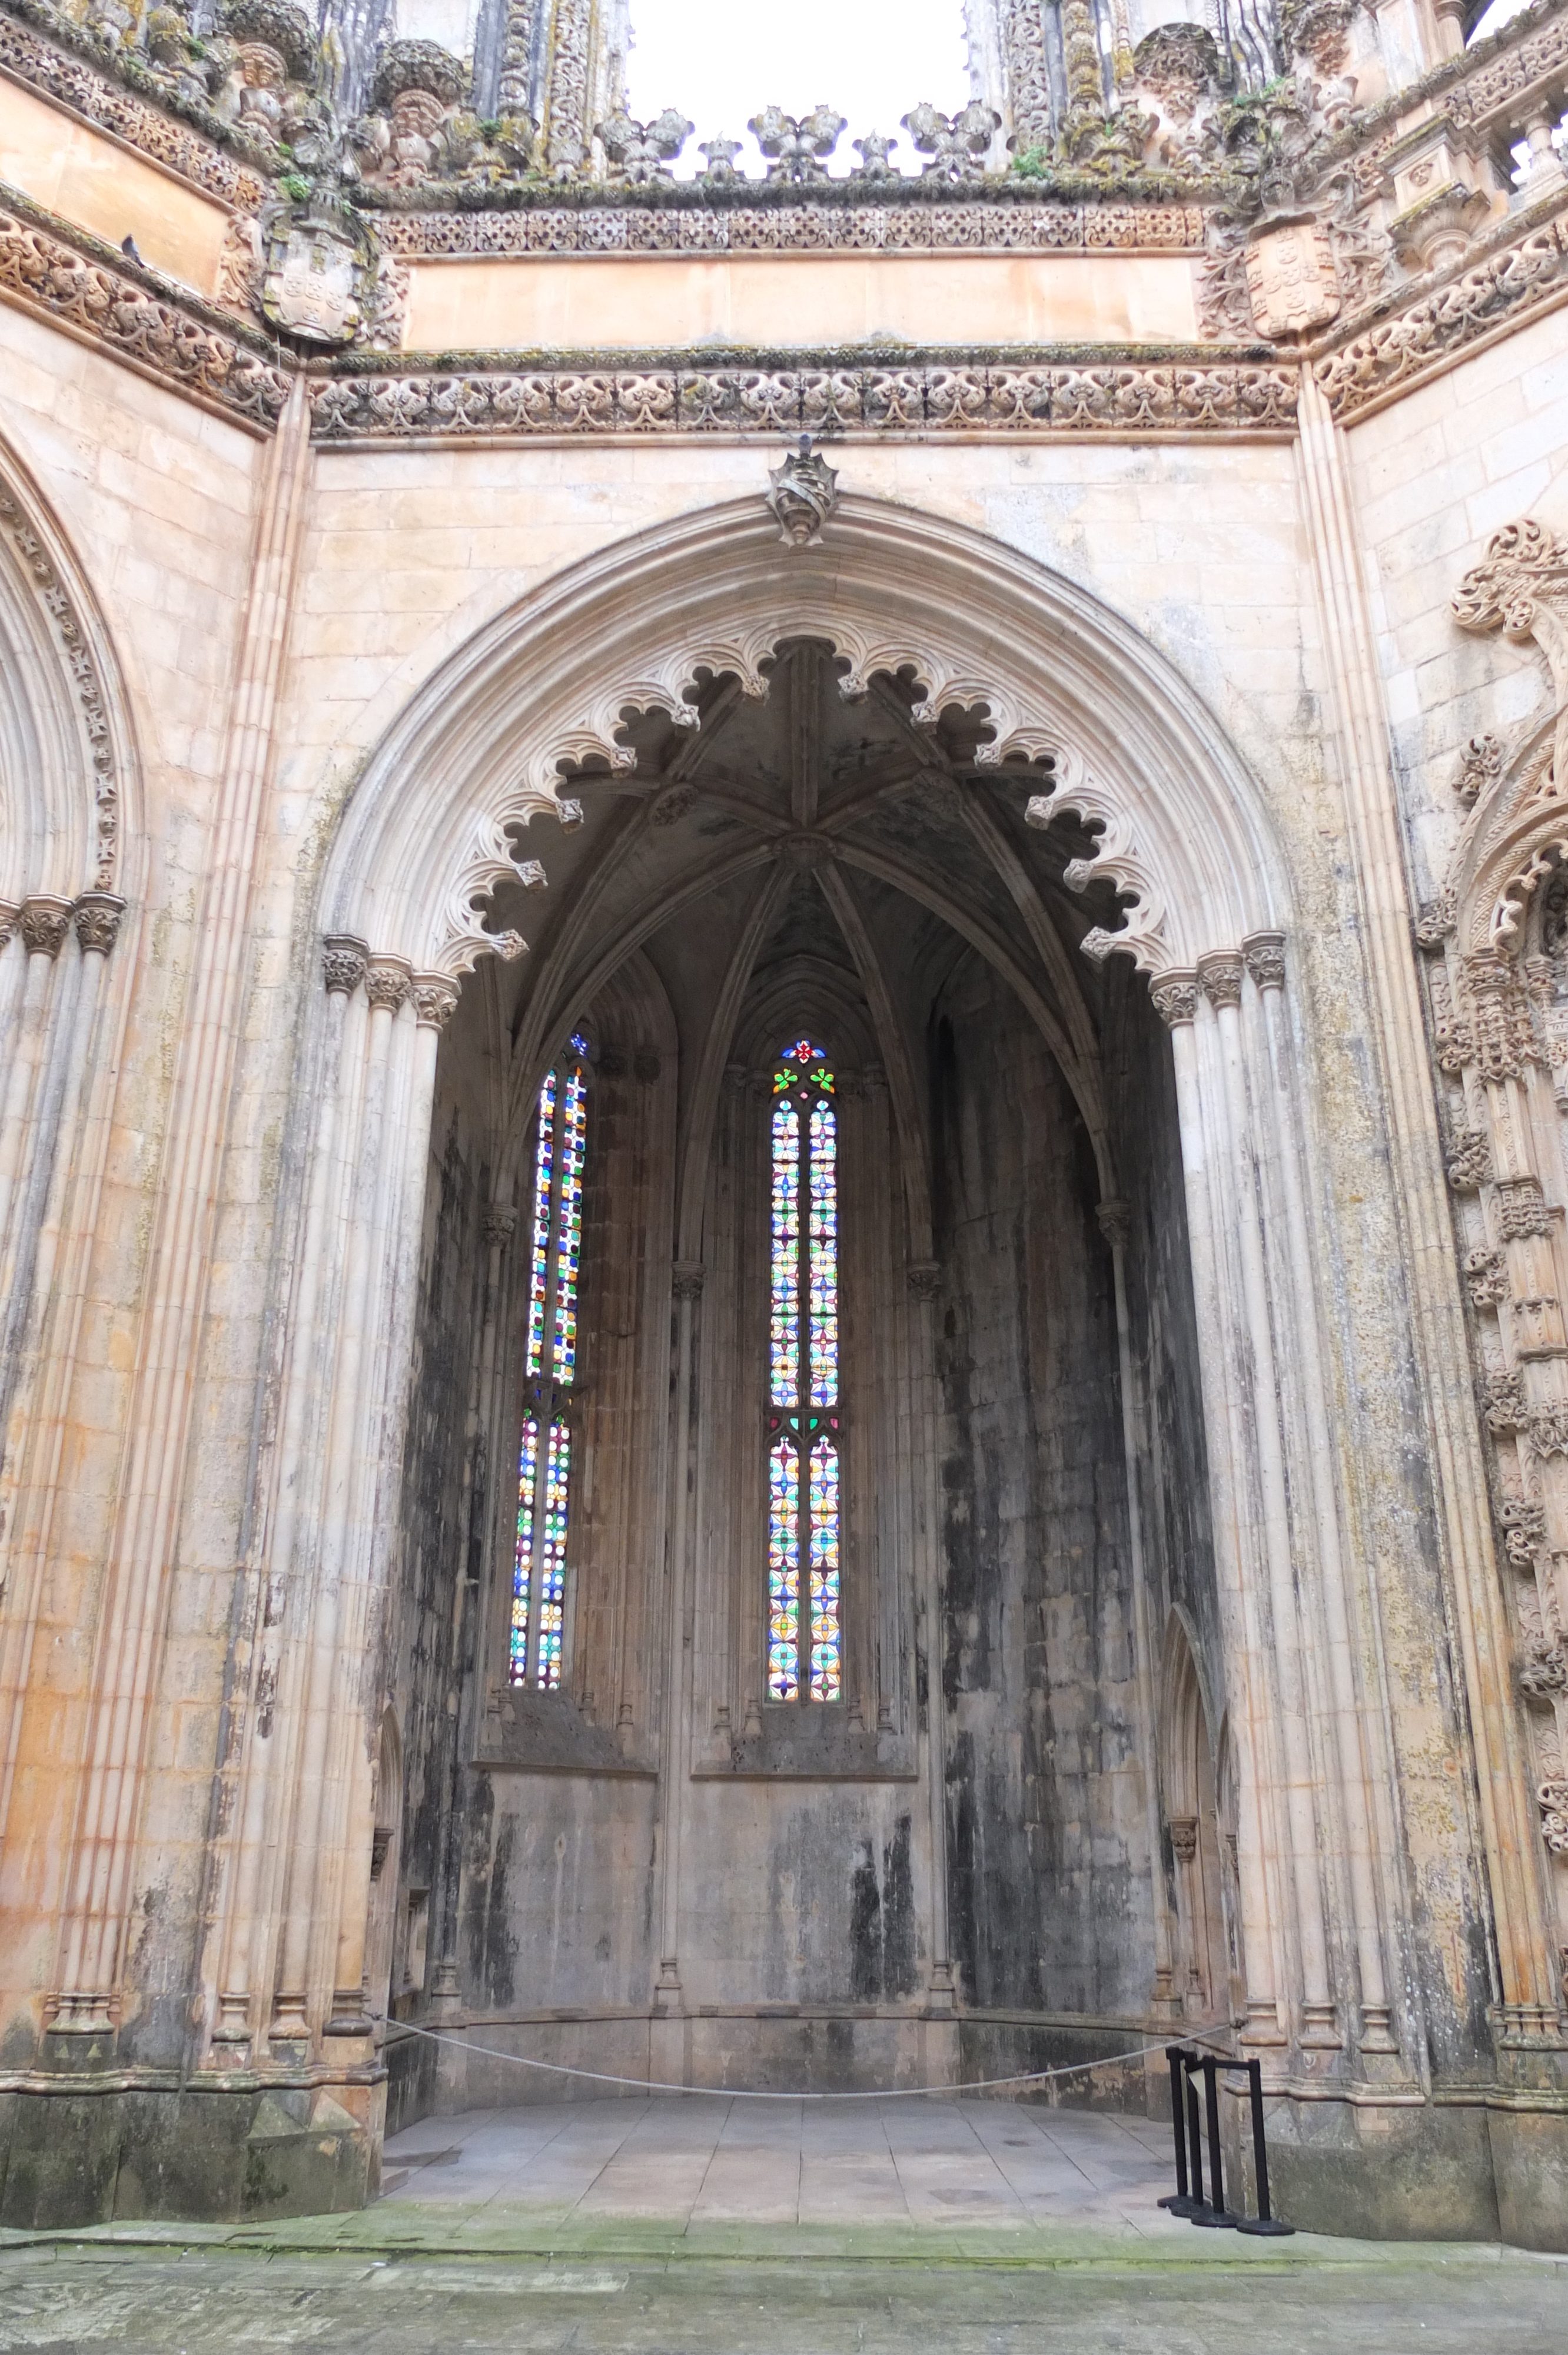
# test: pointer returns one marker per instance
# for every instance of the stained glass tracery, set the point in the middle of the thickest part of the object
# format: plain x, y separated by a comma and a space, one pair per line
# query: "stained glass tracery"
544, 1451
804, 1549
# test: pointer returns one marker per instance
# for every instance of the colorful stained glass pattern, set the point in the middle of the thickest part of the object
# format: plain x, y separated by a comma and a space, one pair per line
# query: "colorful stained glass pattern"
804, 1650
553, 1557
570, 1224
539, 1254
824, 1256
786, 1312
544, 1488
784, 1572
824, 1559
523, 1561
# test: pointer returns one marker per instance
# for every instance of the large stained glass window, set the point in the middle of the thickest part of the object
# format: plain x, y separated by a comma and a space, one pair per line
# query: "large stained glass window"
804, 1545
545, 1454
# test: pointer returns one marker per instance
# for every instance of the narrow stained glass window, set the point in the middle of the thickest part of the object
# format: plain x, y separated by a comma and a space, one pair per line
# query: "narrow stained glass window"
545, 1452
804, 1645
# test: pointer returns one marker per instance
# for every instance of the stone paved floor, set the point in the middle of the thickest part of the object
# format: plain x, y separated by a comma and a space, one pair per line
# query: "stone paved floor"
715, 2227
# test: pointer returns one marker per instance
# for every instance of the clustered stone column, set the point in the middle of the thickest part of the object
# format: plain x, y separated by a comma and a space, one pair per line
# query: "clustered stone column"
294, 1890
1298, 1722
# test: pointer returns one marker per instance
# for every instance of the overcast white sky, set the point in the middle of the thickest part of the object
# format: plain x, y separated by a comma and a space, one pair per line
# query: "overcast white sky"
721, 61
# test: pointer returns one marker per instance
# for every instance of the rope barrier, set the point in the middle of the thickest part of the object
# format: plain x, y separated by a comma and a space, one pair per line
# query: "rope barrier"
402, 2028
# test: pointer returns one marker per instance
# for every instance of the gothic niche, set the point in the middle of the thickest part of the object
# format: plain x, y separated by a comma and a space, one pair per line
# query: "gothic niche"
769, 1404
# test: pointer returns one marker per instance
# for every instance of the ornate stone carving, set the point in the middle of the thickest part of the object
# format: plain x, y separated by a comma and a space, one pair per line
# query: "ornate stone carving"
1422, 337
499, 1225
567, 105
1177, 64
673, 804
1524, 1531
1022, 27
1185, 1838
641, 153
954, 144
1114, 1219
1521, 1210
1543, 1670
55, 599
1502, 1397
97, 915
686, 1279
313, 272
435, 1001
924, 1278
1175, 997
1290, 279
1181, 401
1548, 1429
875, 157
1265, 954
1553, 1798
1485, 1277
43, 924
1520, 587
1220, 977
51, 278
803, 494
1480, 763
798, 148
387, 983
1009, 223
719, 156
342, 965
1469, 1160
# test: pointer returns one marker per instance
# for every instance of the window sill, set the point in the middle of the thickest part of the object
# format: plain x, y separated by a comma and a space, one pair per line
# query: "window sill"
812, 1743
545, 1733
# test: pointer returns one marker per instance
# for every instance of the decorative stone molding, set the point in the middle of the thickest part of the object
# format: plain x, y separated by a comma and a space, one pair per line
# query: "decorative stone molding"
1553, 1798
52, 279
1175, 999
1004, 223
43, 924
803, 494
1264, 956
1487, 91
1401, 351
1521, 588
97, 916
1220, 978
1501, 1400
489, 861
342, 965
1548, 1429
1485, 1278
1028, 76
878, 402
56, 601
1524, 1531
1543, 1671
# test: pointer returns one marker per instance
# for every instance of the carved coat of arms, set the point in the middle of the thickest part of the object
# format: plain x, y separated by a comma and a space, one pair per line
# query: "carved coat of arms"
312, 283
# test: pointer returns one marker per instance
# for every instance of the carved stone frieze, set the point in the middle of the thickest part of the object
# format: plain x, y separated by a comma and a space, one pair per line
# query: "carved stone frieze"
1469, 1160
1006, 224
1402, 349
1521, 1210
567, 100
1520, 587
1023, 23
55, 598
1181, 401
1548, 1429
1524, 1531
1488, 89
145, 126
53, 278
1501, 1398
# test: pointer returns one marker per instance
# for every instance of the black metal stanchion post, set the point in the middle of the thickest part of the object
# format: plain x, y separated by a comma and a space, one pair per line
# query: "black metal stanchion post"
1197, 2207
1264, 2222
1178, 2202
1215, 2214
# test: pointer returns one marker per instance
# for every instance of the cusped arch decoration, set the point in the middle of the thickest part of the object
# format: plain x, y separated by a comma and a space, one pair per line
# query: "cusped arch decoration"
445, 799
67, 761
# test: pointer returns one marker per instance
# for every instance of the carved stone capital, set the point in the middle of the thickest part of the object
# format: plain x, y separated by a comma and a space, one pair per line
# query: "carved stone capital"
342, 965
1114, 1221
1175, 997
686, 1279
387, 982
1185, 1838
44, 925
10, 917
435, 999
925, 1278
1264, 955
499, 1225
1521, 1210
97, 915
1220, 977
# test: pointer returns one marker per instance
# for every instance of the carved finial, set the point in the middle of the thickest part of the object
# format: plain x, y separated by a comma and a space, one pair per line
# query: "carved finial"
720, 154
876, 162
641, 153
803, 494
955, 143
797, 147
